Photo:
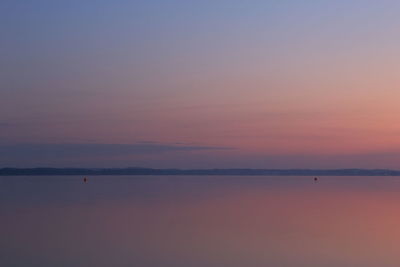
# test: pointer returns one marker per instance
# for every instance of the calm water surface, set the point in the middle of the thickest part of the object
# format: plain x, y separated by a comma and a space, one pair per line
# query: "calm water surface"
200, 221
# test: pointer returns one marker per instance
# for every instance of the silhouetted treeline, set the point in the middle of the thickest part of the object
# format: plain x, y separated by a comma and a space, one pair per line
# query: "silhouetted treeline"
149, 171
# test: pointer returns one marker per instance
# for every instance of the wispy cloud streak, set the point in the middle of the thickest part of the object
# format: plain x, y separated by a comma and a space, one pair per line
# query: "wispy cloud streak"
88, 149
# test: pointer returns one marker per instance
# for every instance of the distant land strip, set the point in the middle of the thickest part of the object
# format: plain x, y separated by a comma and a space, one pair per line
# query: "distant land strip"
150, 171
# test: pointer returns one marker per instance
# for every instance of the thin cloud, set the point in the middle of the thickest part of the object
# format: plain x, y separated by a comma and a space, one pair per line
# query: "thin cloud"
5, 124
88, 149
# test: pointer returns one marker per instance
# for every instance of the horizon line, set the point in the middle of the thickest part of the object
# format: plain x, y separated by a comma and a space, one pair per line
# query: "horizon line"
38, 171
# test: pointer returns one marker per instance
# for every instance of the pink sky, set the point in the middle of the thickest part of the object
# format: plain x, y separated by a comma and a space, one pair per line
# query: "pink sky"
315, 82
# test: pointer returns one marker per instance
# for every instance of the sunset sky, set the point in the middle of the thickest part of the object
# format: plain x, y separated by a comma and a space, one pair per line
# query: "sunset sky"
200, 84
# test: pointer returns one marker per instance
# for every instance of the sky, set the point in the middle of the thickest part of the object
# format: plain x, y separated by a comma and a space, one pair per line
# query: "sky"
200, 84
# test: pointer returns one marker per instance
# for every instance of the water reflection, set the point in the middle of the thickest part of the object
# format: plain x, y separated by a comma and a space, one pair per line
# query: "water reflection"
199, 221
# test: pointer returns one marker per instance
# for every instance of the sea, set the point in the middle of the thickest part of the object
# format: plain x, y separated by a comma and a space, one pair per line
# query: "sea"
199, 221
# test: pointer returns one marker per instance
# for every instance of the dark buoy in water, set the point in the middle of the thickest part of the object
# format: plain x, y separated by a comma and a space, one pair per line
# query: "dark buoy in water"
85, 180
315, 179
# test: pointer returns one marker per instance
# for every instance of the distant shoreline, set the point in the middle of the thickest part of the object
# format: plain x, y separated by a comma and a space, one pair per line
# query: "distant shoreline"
201, 172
